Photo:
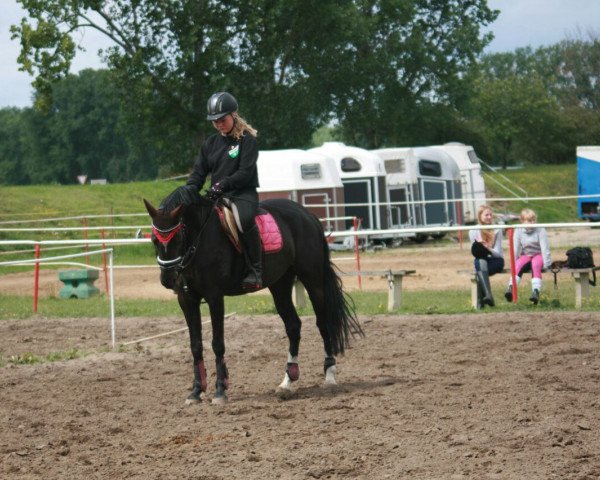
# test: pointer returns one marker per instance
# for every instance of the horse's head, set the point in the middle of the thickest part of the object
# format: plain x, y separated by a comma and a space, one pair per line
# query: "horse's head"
169, 241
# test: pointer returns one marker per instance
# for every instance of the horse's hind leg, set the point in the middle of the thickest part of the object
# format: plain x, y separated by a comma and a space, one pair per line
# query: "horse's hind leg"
317, 298
282, 296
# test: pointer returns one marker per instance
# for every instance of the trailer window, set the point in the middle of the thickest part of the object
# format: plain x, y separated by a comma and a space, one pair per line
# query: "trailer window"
473, 156
395, 165
429, 168
310, 170
350, 164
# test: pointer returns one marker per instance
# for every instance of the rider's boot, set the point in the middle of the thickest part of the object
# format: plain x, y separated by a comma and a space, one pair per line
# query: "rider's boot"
484, 280
508, 294
253, 249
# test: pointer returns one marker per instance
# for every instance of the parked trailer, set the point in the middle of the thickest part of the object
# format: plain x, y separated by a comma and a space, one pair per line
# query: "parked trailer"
588, 182
423, 185
472, 183
304, 177
363, 176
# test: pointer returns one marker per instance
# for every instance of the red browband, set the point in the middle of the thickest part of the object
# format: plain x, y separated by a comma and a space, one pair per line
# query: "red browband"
165, 236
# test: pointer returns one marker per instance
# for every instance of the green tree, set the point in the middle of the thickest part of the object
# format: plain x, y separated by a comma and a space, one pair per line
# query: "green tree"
406, 60
517, 112
294, 64
12, 147
79, 132
558, 84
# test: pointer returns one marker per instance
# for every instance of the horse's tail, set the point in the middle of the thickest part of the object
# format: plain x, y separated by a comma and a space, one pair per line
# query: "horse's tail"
340, 313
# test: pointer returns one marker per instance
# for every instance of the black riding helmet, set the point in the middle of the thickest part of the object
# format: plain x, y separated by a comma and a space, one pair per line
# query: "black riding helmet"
220, 104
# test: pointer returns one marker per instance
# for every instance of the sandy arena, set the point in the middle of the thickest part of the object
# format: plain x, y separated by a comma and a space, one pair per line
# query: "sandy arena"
474, 396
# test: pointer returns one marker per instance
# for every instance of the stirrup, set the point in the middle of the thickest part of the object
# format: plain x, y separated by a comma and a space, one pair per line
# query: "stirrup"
251, 282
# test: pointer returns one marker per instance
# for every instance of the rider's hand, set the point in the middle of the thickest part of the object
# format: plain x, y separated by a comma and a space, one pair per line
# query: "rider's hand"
215, 192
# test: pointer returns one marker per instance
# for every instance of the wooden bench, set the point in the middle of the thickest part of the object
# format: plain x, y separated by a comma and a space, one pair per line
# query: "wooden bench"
394, 278
582, 282
580, 275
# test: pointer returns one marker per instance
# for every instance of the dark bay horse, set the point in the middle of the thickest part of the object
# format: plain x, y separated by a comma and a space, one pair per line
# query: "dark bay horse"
198, 261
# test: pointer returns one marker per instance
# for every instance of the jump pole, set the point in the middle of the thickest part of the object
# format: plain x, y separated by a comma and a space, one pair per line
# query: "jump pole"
139, 340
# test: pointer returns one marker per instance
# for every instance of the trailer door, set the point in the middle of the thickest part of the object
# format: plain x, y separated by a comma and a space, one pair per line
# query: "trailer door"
358, 191
399, 213
435, 213
322, 208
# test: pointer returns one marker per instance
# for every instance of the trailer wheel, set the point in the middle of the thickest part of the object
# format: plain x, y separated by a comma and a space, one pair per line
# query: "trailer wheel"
420, 237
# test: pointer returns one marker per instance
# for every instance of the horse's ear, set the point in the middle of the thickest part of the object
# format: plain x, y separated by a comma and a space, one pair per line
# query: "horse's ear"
176, 212
150, 208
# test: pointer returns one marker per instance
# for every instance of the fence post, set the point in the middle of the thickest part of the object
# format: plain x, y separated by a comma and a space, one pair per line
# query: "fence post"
104, 261
36, 278
511, 246
357, 252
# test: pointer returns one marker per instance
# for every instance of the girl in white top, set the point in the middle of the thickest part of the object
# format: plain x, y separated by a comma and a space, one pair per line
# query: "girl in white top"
489, 258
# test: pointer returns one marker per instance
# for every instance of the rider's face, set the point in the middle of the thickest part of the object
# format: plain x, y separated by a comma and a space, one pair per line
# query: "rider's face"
486, 217
224, 124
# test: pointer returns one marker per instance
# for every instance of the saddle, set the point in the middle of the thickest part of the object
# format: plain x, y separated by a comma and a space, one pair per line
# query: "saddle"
270, 234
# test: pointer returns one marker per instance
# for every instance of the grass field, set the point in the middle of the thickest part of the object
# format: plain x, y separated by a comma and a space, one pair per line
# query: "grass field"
114, 205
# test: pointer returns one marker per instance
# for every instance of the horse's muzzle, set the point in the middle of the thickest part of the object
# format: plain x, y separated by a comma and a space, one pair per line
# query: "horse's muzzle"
168, 278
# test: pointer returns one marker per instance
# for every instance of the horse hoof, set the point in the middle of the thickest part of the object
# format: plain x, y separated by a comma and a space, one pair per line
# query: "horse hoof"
284, 393
192, 400
222, 400
331, 386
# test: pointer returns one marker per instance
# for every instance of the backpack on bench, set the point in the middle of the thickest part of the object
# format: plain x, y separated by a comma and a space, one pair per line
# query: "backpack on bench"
580, 257
577, 257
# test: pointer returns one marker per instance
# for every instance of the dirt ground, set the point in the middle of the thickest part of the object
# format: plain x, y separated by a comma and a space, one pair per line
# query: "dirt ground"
474, 396
489, 396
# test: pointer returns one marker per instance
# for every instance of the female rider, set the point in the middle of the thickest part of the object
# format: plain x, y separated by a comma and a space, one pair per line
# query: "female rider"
230, 156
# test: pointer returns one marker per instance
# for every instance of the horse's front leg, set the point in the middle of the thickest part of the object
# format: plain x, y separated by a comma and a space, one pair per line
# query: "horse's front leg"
217, 317
191, 310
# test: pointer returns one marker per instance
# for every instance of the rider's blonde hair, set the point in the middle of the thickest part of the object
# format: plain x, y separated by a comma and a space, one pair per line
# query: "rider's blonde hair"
486, 235
240, 126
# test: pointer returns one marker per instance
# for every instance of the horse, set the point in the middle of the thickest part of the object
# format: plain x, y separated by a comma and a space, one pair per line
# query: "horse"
198, 262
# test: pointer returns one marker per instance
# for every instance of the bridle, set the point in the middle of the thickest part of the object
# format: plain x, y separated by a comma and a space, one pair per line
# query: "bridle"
164, 236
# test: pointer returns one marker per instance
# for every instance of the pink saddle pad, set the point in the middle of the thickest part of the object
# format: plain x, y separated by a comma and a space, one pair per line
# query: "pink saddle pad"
269, 233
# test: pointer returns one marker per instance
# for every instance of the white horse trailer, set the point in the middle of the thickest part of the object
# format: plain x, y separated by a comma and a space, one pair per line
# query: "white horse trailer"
423, 187
473, 186
363, 177
306, 178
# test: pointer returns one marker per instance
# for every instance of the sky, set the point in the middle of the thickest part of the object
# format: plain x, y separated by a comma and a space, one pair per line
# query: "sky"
521, 23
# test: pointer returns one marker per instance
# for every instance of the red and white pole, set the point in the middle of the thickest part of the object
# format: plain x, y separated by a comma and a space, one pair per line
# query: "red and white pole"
357, 252
36, 278
511, 246
104, 261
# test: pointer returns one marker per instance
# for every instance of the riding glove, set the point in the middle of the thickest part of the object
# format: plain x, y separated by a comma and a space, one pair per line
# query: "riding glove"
215, 192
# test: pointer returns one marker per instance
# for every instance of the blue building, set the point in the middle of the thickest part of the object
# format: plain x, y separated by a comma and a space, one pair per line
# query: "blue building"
588, 183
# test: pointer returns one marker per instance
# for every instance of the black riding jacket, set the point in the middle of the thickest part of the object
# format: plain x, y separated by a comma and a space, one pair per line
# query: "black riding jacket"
230, 162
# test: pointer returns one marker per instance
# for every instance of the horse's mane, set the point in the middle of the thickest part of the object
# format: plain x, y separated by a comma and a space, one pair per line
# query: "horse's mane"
182, 195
